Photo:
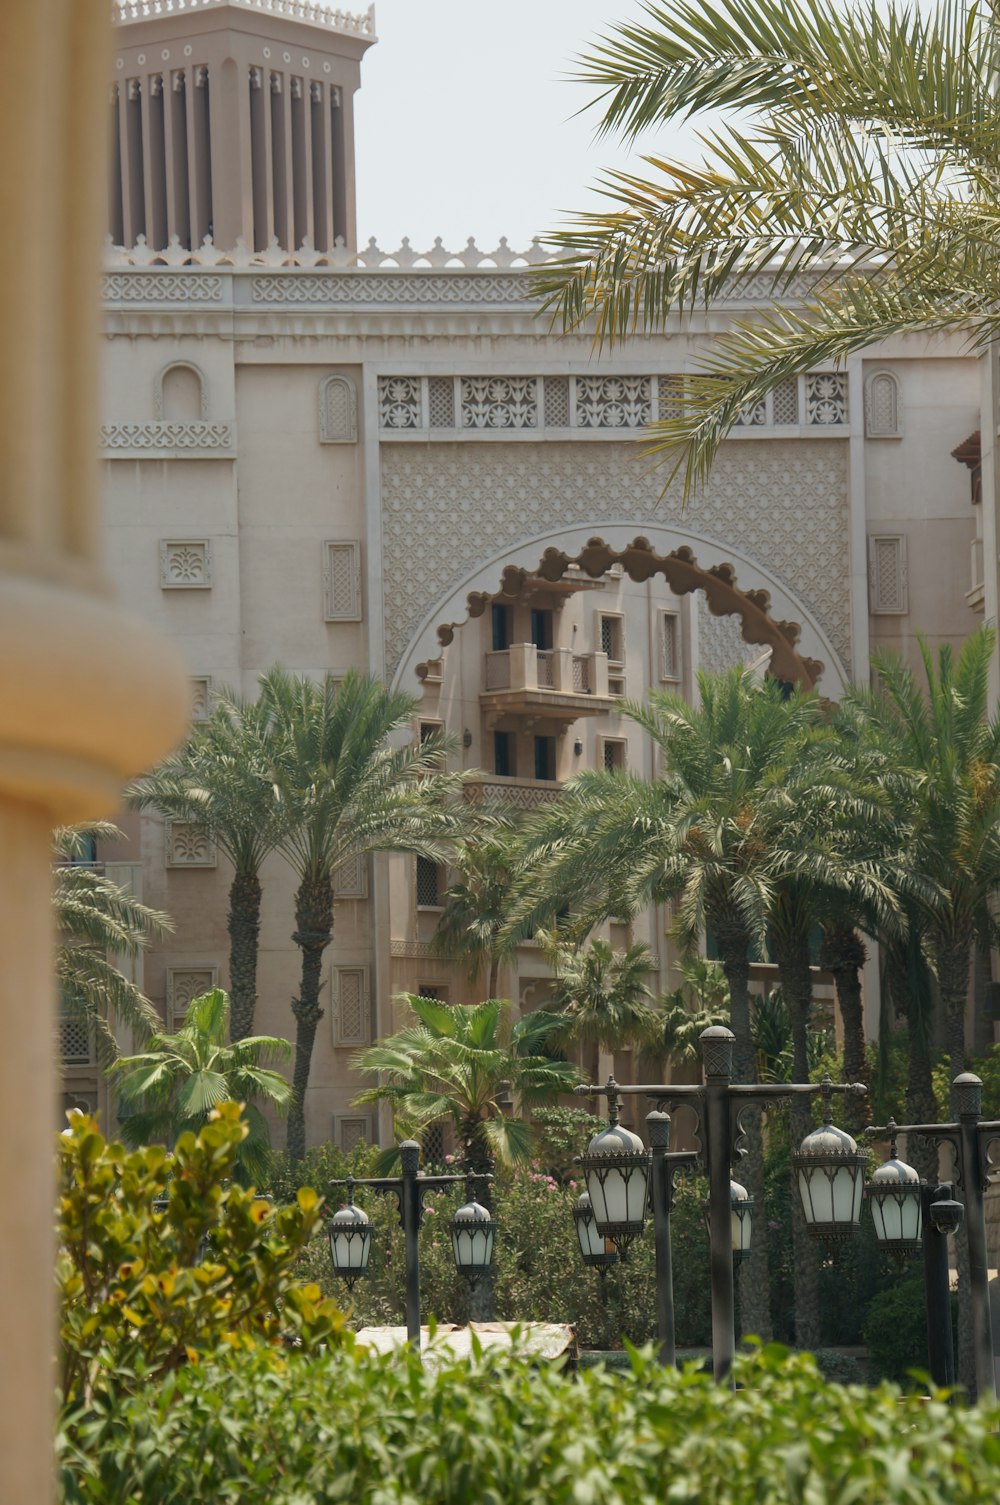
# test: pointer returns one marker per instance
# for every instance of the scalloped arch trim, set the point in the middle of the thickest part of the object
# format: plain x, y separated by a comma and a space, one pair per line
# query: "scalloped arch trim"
683, 574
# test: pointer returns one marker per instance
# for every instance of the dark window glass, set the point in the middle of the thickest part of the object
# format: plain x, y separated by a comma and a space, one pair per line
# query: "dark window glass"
545, 758
503, 754
541, 628
501, 628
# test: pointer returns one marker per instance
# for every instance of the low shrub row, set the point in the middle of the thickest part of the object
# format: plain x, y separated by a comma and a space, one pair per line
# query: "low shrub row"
264, 1429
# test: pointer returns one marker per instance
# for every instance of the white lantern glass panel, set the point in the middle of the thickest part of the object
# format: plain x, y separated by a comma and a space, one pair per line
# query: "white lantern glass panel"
350, 1241
472, 1236
617, 1169
592, 1244
896, 1201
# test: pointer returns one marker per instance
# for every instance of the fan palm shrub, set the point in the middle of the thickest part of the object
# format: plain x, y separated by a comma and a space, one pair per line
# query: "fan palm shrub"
179, 1079
602, 995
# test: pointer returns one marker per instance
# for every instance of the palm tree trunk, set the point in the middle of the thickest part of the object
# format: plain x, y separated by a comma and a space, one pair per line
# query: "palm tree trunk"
953, 980
754, 1273
909, 988
843, 955
494, 978
794, 971
244, 934
313, 933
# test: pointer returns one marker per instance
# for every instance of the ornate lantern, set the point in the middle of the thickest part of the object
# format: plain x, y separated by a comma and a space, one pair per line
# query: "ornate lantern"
896, 1198
350, 1233
472, 1235
616, 1166
742, 1220
593, 1246
830, 1170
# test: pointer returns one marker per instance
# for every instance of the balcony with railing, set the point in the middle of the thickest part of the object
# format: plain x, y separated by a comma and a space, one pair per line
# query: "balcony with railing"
517, 794
555, 683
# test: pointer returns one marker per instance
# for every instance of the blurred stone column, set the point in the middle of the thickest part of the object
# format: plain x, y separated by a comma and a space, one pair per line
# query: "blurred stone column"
88, 695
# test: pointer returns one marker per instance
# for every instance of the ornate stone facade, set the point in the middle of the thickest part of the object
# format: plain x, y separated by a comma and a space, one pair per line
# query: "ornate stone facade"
447, 508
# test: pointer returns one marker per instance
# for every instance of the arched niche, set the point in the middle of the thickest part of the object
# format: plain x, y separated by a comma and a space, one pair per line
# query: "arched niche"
338, 411
883, 407
180, 393
769, 615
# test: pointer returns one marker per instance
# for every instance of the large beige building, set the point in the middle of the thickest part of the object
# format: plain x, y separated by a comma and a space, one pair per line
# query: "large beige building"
329, 458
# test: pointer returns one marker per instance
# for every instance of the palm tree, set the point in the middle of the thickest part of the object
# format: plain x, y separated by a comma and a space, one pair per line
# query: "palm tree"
221, 779
454, 1064
701, 1001
602, 994
938, 734
868, 139
179, 1078
343, 789
474, 923
98, 920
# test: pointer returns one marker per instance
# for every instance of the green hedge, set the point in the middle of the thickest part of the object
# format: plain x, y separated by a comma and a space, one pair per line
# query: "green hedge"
305, 1430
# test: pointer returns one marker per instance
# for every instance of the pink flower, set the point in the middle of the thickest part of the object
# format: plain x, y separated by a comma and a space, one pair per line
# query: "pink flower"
449, 1159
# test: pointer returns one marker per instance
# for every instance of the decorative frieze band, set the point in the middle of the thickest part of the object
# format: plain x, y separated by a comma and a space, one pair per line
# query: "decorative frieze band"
162, 287
439, 404
126, 441
313, 12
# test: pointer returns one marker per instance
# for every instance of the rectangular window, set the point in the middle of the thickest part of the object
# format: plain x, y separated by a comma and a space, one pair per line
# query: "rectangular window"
541, 628
501, 618
503, 754
428, 884
612, 634
670, 645
613, 753
429, 731
436, 990
545, 757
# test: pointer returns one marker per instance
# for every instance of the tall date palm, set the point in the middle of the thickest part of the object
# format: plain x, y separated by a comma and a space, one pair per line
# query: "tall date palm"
343, 788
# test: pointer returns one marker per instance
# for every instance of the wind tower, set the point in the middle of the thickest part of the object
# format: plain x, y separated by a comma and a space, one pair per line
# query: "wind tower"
232, 121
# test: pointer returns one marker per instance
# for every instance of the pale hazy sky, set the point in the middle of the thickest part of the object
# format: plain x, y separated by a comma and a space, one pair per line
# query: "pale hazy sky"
465, 119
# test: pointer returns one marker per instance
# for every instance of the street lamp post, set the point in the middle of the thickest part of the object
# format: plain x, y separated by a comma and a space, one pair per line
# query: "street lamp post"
829, 1165
472, 1228
970, 1139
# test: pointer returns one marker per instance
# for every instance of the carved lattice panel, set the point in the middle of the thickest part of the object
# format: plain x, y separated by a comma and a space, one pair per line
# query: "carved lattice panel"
882, 414
352, 1131
350, 881
785, 401
351, 1007
342, 581
887, 582
555, 393
184, 985
613, 402
201, 697
826, 398
338, 411
185, 564
499, 402
188, 845
670, 645
76, 1046
399, 402
441, 402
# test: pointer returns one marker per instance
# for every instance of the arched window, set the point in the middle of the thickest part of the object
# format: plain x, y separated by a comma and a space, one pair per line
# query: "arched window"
883, 410
338, 411
180, 394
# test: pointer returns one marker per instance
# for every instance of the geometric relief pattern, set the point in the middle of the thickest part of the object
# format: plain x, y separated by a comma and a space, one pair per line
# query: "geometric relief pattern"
76, 1046
720, 642
399, 402
126, 439
185, 564
887, 582
350, 878
188, 845
184, 985
342, 581
781, 502
882, 417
